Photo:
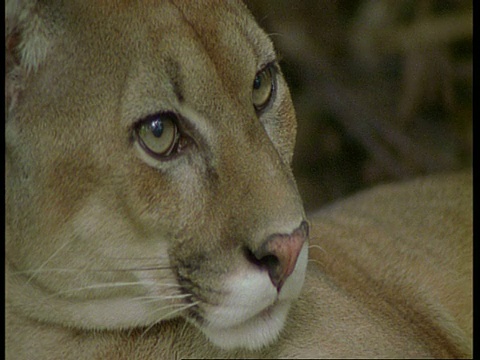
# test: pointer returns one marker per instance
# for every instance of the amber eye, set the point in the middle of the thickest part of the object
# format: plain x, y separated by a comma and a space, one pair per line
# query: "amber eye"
262, 88
158, 134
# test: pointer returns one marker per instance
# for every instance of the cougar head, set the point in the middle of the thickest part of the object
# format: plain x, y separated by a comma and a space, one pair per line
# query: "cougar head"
148, 156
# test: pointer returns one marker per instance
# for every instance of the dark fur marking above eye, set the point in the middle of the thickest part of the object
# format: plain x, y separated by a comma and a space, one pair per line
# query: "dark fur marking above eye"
173, 70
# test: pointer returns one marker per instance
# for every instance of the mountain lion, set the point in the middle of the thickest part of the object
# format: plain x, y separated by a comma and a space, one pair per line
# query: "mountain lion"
151, 211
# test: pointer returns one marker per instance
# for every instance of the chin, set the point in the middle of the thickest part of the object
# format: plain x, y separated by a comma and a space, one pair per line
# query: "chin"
252, 314
259, 331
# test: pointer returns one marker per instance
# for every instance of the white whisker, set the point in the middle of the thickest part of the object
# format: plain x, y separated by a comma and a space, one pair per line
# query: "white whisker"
48, 260
39, 270
273, 34
316, 262
76, 270
145, 268
317, 247
149, 299
101, 286
183, 308
153, 258
167, 284
156, 310
185, 324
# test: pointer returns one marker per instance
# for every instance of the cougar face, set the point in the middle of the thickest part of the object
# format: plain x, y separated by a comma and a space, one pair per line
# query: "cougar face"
148, 172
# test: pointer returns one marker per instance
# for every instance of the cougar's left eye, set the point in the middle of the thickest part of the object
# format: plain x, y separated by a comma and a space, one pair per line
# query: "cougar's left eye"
263, 86
158, 134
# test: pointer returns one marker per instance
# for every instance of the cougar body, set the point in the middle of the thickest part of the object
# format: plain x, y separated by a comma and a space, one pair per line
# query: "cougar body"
151, 211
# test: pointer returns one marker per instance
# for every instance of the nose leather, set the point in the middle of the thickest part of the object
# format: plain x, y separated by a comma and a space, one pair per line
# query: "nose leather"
279, 254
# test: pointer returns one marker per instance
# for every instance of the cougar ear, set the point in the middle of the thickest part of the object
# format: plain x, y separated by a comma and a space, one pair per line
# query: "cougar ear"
27, 41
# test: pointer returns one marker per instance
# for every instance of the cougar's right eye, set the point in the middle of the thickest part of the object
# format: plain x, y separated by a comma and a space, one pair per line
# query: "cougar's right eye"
263, 88
158, 134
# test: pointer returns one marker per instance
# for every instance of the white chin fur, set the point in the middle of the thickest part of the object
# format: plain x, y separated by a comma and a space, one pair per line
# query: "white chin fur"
253, 314
254, 333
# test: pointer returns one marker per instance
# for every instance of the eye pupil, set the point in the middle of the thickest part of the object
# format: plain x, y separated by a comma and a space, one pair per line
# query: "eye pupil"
257, 83
156, 127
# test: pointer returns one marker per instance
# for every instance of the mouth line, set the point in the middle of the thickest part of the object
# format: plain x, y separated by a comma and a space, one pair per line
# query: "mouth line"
268, 310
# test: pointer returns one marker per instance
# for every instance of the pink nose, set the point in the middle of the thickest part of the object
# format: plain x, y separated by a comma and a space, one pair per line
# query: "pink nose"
279, 254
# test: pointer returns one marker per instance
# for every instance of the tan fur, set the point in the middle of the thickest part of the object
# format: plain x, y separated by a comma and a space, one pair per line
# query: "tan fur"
112, 254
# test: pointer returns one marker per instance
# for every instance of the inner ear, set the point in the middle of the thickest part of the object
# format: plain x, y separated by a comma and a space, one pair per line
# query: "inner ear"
27, 41
12, 54
13, 71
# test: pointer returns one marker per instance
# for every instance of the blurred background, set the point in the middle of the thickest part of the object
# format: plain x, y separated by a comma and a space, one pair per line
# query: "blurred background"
382, 88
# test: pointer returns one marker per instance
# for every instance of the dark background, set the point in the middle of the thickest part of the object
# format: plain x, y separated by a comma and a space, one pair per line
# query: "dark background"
382, 88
